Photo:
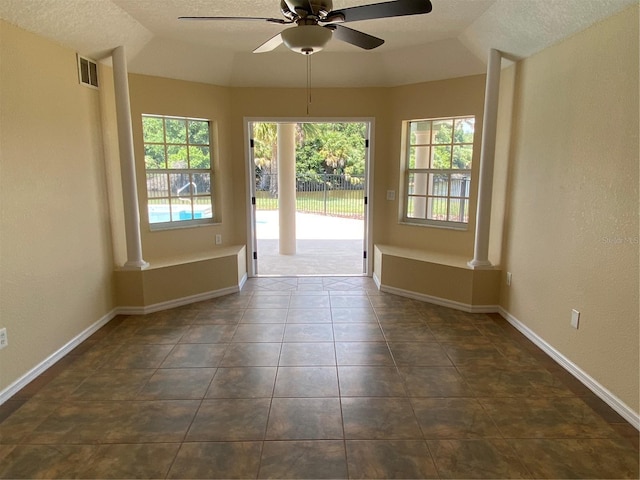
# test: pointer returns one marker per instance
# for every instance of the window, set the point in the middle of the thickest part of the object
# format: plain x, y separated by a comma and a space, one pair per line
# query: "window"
177, 159
438, 171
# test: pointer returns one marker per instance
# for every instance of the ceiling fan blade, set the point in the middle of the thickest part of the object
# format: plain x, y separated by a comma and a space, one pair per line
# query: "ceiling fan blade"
258, 19
398, 8
355, 37
271, 44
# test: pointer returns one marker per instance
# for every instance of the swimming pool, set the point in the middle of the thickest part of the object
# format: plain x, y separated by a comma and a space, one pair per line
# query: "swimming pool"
162, 213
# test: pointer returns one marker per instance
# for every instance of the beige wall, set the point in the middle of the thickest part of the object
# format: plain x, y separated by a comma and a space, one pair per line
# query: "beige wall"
229, 107
572, 226
455, 97
55, 247
388, 107
161, 96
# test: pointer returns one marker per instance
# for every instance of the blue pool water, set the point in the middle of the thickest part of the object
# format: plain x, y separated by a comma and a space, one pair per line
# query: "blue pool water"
161, 216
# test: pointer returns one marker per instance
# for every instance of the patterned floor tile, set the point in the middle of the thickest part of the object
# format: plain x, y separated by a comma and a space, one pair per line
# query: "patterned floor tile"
303, 459
230, 420
386, 459
379, 418
305, 419
217, 460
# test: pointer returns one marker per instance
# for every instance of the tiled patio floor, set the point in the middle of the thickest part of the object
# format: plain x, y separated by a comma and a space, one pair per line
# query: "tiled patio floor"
325, 246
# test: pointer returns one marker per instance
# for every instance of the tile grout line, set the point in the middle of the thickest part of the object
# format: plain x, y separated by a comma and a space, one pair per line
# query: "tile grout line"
335, 356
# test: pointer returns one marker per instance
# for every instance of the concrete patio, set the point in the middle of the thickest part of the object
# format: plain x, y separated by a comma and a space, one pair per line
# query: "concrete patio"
324, 245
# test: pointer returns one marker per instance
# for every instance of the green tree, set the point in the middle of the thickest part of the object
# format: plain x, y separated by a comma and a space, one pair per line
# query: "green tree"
331, 148
178, 154
453, 143
463, 136
320, 148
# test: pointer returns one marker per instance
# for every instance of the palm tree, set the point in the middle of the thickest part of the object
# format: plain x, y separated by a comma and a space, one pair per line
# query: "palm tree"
265, 136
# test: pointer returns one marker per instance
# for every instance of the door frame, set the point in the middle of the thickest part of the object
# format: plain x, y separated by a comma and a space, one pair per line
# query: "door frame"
252, 241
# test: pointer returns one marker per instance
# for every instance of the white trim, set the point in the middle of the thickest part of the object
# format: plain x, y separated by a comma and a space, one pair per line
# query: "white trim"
443, 302
376, 280
178, 302
243, 280
40, 368
252, 239
604, 394
249, 178
369, 207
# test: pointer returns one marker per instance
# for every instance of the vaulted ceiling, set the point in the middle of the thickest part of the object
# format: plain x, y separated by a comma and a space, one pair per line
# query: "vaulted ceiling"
451, 41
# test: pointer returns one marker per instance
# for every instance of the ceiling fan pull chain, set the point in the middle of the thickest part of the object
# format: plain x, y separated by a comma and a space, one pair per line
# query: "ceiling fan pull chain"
308, 83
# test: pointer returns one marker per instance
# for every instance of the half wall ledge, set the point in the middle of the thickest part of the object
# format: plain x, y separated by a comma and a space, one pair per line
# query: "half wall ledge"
180, 281
445, 280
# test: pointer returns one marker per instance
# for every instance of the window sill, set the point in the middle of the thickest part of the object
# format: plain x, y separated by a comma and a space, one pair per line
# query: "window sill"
461, 227
160, 227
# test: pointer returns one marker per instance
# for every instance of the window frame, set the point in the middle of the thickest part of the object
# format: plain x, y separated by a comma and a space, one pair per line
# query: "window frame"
165, 145
429, 195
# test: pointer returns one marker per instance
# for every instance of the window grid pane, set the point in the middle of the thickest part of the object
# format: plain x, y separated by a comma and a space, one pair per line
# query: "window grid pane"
417, 207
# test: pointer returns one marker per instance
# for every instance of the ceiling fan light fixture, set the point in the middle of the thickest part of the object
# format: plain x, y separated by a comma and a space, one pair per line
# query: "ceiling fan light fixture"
306, 39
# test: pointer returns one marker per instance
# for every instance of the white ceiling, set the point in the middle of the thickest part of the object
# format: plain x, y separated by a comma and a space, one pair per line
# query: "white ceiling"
451, 41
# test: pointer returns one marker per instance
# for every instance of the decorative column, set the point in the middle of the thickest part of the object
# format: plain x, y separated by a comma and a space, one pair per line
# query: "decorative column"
487, 156
127, 162
287, 187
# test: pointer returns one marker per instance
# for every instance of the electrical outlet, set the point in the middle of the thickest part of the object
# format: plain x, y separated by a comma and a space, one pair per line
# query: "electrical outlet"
218, 239
575, 318
4, 340
391, 194
508, 279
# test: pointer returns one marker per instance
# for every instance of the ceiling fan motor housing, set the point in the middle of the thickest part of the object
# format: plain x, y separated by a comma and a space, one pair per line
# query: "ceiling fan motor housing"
292, 8
306, 39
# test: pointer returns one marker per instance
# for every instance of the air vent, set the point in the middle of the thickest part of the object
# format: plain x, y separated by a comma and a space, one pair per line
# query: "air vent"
87, 72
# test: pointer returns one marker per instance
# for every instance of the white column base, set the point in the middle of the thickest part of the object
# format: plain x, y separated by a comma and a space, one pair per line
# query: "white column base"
135, 265
480, 264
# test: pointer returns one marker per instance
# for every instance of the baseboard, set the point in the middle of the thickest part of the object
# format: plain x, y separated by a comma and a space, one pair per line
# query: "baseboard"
605, 395
39, 369
376, 280
243, 280
443, 302
178, 302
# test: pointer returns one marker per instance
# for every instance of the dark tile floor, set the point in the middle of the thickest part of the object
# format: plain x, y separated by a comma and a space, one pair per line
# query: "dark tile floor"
311, 378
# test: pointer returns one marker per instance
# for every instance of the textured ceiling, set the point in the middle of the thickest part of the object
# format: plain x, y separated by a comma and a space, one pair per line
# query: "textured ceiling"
451, 41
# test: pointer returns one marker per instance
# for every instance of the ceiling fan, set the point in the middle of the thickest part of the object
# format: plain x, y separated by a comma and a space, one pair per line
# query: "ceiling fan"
316, 23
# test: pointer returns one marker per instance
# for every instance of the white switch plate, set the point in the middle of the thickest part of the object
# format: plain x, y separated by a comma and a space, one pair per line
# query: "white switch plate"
4, 340
218, 239
575, 318
508, 279
391, 194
